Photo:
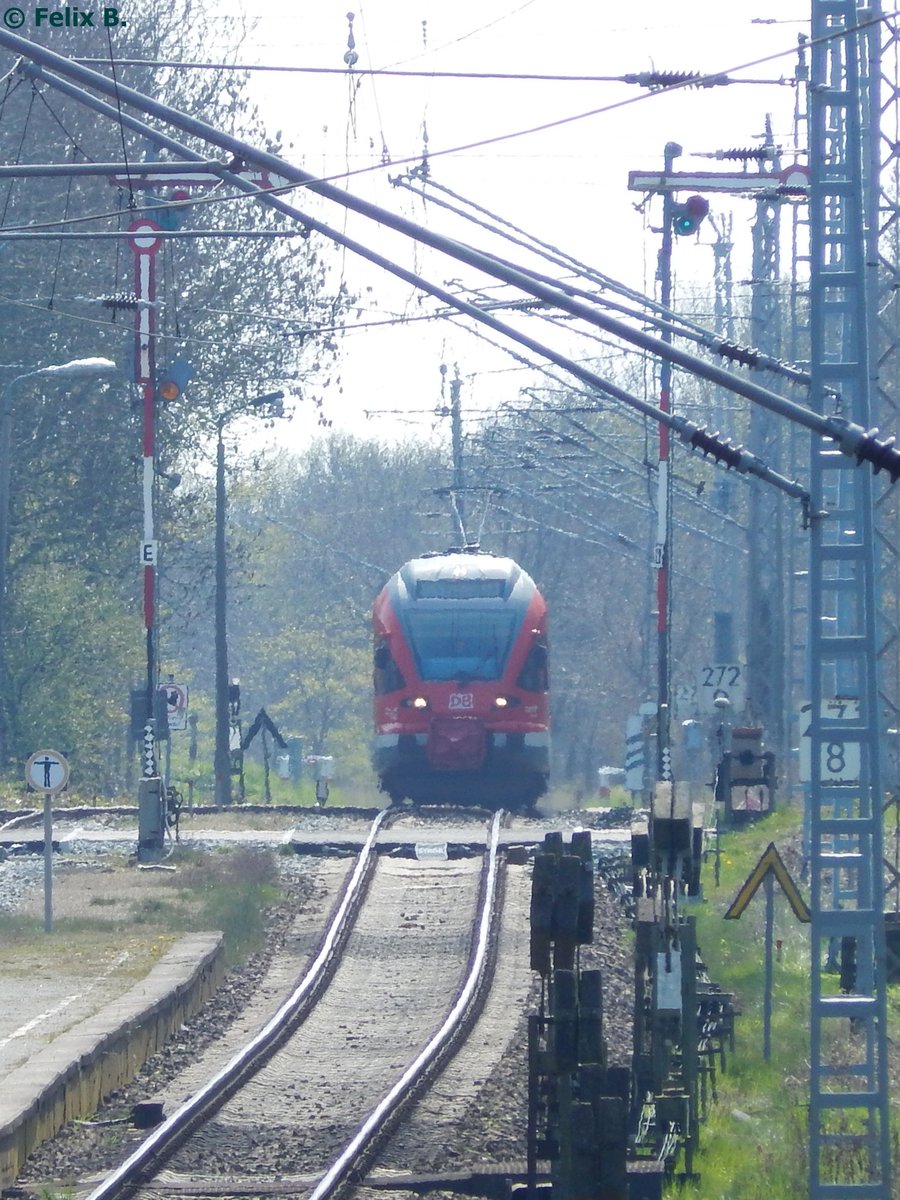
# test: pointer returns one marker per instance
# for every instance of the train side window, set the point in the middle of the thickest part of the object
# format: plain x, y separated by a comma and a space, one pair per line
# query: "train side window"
388, 676
534, 676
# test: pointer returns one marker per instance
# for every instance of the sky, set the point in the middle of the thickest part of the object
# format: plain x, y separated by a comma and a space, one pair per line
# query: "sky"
567, 184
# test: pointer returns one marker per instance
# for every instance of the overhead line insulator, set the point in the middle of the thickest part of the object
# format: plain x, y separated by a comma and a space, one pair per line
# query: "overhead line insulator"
866, 446
745, 356
124, 301
713, 444
657, 80
883, 455
746, 154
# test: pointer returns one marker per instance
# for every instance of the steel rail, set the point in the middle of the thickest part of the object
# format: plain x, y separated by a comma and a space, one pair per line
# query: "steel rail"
337, 1173
172, 1130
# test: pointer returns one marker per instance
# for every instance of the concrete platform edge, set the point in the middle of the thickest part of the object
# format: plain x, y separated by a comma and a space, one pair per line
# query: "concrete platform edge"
68, 1079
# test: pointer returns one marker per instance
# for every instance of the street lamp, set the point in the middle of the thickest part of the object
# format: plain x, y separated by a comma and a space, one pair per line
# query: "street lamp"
78, 368
268, 405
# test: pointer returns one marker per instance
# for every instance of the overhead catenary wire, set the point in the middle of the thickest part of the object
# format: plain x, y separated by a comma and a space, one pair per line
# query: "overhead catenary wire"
639, 469
266, 196
562, 257
385, 153
326, 546
581, 481
641, 78
343, 198
19, 148
543, 312
616, 546
21, 43
73, 141
59, 248
124, 333
610, 542
220, 233
852, 439
625, 413
112, 67
662, 318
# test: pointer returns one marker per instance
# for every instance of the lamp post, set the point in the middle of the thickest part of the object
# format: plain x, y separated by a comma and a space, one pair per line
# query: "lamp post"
78, 368
267, 405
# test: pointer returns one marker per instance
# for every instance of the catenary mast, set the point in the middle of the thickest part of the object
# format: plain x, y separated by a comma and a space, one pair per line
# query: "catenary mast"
849, 1101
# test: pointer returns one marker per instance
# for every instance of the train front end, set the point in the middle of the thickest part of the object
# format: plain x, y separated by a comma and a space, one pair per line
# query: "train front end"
462, 706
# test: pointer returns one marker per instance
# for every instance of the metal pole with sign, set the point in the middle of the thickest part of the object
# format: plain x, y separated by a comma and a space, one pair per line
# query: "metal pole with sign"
47, 771
769, 869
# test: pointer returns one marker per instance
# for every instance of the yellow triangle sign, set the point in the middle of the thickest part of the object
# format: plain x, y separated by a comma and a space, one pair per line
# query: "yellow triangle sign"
770, 862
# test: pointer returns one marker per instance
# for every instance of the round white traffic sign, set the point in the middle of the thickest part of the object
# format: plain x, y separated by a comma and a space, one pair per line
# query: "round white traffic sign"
47, 771
143, 236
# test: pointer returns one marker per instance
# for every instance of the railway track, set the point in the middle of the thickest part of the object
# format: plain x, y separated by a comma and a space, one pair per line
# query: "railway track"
398, 975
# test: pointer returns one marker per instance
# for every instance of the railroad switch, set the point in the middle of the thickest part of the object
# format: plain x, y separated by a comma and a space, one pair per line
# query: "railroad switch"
562, 901
618, 1132
670, 844
577, 1105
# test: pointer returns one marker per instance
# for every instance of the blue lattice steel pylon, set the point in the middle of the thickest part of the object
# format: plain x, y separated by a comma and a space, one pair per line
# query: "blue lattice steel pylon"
849, 1102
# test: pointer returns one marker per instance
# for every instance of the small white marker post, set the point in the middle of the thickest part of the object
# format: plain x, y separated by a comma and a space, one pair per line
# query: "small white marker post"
47, 771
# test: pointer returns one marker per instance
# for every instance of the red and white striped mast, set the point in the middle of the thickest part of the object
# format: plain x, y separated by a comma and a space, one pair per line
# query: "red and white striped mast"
145, 245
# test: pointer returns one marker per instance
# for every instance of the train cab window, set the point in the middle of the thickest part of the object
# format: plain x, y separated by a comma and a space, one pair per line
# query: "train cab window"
468, 644
534, 676
387, 675
461, 589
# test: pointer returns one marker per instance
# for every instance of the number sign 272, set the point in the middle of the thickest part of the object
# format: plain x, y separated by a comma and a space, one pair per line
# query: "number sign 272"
724, 676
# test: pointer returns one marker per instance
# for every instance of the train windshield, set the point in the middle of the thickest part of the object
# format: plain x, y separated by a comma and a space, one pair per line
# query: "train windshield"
461, 645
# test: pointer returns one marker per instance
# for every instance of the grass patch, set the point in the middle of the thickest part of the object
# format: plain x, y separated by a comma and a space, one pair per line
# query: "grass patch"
754, 1143
61, 1193
228, 890
753, 1146
239, 912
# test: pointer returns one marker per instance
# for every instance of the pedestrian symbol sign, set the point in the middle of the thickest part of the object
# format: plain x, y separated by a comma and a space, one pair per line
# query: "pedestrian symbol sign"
47, 771
176, 695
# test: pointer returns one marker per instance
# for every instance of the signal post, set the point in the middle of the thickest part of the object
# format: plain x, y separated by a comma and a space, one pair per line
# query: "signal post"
171, 186
682, 217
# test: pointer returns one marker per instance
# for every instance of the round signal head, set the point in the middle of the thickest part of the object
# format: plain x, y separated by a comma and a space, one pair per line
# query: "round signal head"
169, 390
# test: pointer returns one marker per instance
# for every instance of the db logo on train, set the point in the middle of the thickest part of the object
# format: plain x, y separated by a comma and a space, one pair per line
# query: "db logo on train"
462, 700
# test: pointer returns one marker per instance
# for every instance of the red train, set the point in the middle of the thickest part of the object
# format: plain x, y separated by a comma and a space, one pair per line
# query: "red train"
462, 705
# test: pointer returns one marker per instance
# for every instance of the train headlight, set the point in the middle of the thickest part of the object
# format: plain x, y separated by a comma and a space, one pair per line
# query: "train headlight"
418, 702
500, 702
